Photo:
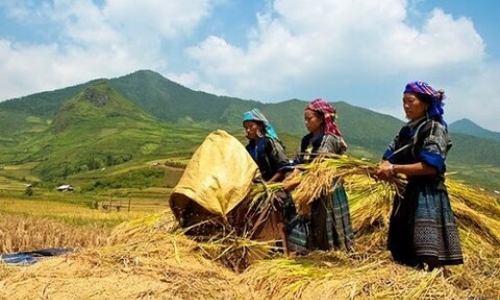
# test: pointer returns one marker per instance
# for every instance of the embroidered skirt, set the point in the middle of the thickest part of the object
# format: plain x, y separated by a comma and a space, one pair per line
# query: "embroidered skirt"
423, 228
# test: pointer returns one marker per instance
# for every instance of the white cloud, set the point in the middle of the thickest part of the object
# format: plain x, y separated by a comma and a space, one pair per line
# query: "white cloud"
441, 42
302, 50
88, 41
18, 64
342, 40
352, 50
167, 19
476, 96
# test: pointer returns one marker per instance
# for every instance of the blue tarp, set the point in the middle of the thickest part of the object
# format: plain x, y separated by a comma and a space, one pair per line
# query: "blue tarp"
31, 257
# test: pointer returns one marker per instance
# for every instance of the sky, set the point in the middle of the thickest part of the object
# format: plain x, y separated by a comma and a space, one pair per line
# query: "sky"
362, 52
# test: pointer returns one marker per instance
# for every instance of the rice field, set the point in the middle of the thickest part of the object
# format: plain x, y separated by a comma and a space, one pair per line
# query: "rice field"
143, 254
34, 224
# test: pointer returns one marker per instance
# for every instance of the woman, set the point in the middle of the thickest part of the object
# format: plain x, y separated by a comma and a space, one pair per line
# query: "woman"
264, 146
329, 225
422, 230
267, 151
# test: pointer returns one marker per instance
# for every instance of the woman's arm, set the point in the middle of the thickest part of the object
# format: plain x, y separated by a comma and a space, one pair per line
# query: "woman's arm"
276, 158
387, 170
433, 143
291, 182
278, 177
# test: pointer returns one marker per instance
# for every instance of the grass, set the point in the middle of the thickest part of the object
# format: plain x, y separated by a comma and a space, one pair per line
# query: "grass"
481, 176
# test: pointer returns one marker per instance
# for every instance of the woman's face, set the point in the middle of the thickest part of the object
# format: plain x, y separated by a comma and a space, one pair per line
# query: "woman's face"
413, 107
313, 121
253, 129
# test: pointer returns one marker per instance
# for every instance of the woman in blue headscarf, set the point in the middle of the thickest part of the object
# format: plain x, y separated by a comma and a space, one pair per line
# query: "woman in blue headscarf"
264, 146
422, 231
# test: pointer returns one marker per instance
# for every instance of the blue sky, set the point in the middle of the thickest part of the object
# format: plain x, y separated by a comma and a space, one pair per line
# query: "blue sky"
359, 51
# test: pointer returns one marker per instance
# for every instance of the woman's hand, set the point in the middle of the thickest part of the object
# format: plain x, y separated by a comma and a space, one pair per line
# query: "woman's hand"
290, 185
291, 181
385, 171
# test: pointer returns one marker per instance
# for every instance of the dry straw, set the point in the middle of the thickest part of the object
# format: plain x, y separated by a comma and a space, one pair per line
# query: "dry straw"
370, 272
152, 258
325, 174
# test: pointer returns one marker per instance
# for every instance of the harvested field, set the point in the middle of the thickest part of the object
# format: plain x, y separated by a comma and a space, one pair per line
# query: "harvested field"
150, 258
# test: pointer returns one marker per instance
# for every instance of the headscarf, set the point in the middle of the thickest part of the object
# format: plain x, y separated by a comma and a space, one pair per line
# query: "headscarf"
435, 108
256, 115
320, 105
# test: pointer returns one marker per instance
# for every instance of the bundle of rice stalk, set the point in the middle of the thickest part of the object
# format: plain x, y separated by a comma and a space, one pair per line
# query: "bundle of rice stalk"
137, 241
325, 174
263, 195
235, 252
370, 205
140, 242
163, 221
155, 247
479, 275
475, 198
282, 278
477, 228
236, 248
337, 276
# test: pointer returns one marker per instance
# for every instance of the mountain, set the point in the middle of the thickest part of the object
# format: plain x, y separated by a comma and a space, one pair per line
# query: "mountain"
143, 116
43, 104
173, 102
466, 126
97, 128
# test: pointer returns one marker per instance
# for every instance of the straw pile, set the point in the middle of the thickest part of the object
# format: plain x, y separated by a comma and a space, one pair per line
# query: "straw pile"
370, 272
145, 259
152, 259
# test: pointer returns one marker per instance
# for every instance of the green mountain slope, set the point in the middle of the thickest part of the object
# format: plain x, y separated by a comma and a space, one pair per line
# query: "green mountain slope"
170, 101
45, 104
144, 116
466, 126
99, 128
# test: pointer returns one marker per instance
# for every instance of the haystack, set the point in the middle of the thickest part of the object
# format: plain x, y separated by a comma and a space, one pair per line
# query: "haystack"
370, 273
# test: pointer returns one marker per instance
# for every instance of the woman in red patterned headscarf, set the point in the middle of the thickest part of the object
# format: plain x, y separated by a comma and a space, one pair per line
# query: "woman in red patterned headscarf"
329, 225
324, 135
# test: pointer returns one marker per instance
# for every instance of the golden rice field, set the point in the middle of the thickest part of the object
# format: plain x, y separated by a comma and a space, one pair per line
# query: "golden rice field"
29, 225
146, 256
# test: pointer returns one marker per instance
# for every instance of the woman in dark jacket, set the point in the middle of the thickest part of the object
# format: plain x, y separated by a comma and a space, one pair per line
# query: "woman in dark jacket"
264, 146
422, 230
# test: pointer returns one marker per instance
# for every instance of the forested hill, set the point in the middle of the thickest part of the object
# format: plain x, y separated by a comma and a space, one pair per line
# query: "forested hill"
35, 124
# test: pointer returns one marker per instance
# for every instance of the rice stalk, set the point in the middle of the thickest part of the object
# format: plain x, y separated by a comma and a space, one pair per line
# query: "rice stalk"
323, 175
197, 268
235, 252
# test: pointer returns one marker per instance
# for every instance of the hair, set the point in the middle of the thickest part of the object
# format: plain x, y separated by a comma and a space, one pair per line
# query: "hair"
427, 99
318, 113
423, 97
262, 127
